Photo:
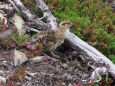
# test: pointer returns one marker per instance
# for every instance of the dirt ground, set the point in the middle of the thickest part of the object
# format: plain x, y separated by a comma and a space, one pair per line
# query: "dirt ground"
42, 73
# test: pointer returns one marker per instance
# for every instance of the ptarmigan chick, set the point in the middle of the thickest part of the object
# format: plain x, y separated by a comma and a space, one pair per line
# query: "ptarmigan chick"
51, 39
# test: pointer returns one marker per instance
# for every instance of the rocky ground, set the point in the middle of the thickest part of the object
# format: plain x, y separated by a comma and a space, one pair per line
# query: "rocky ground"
48, 72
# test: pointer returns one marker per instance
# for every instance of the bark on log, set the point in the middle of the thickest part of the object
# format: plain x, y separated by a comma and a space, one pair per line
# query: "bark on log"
87, 52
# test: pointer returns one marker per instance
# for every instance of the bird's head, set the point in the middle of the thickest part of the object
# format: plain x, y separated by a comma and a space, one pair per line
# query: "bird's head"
66, 24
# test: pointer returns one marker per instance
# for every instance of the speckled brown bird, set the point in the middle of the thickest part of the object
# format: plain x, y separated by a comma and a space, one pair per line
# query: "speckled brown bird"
52, 38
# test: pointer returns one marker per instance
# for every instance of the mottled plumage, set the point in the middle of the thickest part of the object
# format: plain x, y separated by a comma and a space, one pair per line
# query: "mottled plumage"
52, 38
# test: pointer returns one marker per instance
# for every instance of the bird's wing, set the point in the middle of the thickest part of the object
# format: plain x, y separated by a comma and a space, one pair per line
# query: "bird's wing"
44, 36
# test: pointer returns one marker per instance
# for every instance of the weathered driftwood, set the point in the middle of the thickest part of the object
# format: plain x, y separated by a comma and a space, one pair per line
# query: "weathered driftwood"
87, 52
47, 13
33, 20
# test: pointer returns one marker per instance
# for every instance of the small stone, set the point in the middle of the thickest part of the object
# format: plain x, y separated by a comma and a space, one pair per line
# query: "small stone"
19, 57
31, 74
1, 72
2, 79
64, 65
70, 84
19, 23
28, 78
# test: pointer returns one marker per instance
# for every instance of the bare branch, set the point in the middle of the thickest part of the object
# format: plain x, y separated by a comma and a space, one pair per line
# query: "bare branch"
14, 5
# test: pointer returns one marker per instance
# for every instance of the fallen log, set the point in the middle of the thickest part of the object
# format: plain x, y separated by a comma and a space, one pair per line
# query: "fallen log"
87, 52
